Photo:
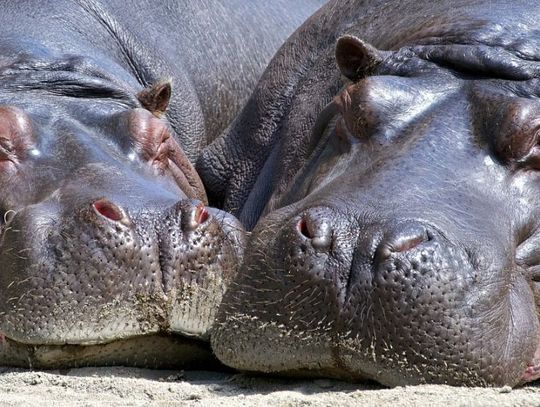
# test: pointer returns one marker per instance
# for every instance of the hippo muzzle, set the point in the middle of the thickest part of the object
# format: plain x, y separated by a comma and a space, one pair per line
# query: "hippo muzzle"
102, 271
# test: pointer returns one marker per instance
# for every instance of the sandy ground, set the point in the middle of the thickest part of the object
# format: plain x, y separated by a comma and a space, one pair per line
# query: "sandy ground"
137, 387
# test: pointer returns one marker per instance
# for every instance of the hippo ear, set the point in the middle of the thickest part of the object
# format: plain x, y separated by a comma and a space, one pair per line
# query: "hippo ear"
356, 58
156, 98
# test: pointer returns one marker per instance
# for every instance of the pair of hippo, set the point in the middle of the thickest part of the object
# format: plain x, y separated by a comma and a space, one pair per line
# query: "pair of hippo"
386, 162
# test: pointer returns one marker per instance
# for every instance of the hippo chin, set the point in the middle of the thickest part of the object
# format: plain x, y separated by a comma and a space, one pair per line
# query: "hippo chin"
393, 180
108, 253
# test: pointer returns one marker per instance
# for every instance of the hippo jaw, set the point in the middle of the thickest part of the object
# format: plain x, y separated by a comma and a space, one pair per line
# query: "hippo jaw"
404, 251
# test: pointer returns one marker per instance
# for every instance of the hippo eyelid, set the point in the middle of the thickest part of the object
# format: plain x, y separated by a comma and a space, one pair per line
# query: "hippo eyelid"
530, 147
6, 143
6, 152
531, 160
165, 134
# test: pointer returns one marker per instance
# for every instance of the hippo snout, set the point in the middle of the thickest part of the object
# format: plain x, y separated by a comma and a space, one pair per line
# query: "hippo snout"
390, 298
95, 269
183, 234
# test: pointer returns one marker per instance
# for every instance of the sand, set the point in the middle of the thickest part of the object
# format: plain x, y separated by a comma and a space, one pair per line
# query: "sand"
137, 387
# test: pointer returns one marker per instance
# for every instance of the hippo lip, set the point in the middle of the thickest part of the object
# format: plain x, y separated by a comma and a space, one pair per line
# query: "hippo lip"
153, 350
6, 339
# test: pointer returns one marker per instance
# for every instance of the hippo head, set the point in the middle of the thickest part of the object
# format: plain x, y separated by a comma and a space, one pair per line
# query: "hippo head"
105, 236
406, 249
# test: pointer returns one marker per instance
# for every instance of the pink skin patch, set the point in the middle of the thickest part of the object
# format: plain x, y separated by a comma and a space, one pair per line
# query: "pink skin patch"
407, 244
532, 371
3, 340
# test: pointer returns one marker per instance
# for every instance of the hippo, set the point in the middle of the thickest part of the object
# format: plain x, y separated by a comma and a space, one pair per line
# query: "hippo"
387, 165
108, 251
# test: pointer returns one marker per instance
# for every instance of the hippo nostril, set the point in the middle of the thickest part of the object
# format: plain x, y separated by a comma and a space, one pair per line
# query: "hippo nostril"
407, 244
201, 214
303, 229
403, 239
108, 210
318, 232
193, 216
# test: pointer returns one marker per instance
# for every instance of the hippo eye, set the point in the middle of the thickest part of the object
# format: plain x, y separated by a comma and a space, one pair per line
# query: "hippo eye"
365, 107
532, 159
16, 140
354, 122
518, 135
155, 145
150, 136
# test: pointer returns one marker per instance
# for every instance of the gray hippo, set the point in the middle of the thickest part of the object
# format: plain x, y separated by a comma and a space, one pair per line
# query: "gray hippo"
389, 158
108, 253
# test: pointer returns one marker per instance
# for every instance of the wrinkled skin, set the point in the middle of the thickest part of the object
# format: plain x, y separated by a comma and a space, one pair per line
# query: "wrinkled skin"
397, 229
108, 253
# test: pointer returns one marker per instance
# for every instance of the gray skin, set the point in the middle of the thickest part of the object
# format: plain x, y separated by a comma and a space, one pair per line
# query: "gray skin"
397, 231
108, 254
